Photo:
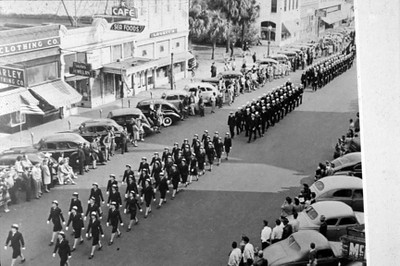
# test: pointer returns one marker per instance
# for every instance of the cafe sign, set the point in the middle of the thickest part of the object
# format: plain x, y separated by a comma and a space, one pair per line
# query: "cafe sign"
121, 11
82, 69
15, 48
12, 76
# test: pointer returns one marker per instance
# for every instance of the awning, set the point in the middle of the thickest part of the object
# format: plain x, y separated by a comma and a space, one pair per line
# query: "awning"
130, 66
334, 17
31, 109
12, 99
57, 93
291, 26
75, 78
29, 104
27, 98
178, 57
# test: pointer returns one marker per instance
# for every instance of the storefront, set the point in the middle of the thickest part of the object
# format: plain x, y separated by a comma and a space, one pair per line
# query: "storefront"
32, 92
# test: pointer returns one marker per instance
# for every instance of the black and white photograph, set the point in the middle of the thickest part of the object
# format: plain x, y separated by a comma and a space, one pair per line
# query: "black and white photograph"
199, 132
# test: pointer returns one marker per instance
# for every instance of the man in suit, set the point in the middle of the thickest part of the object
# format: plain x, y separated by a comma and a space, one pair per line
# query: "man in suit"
16, 241
232, 123
64, 251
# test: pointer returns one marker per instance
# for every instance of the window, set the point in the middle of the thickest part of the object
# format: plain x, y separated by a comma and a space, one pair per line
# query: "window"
128, 49
274, 4
144, 52
343, 193
289, 4
42, 73
324, 253
68, 59
358, 194
293, 4
331, 221
116, 52
297, 4
311, 213
177, 44
172, 97
51, 146
168, 5
141, 7
155, 6
161, 48
180, 4
348, 221
285, 5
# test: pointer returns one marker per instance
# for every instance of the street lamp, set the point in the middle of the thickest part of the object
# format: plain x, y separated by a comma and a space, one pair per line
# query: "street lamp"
269, 38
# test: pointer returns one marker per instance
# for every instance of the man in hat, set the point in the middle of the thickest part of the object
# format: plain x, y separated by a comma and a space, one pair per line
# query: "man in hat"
56, 217
77, 225
16, 241
75, 202
114, 217
128, 171
232, 123
131, 206
64, 251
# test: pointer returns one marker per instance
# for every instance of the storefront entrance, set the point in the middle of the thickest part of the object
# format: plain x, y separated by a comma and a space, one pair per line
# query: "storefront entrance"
119, 87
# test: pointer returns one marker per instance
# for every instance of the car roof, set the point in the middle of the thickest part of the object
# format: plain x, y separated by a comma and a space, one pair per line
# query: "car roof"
99, 122
125, 111
175, 92
201, 84
58, 137
348, 158
332, 209
305, 237
340, 181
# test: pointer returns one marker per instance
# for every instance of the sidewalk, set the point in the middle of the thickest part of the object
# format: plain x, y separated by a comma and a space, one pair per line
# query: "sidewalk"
203, 54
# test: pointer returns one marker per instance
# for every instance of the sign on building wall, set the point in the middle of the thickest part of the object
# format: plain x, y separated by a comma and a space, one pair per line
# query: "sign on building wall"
121, 11
12, 76
320, 13
27, 46
127, 27
162, 33
82, 69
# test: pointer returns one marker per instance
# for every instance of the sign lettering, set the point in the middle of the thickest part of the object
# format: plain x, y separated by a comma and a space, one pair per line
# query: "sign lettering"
127, 27
124, 12
15, 48
12, 76
162, 33
82, 69
356, 250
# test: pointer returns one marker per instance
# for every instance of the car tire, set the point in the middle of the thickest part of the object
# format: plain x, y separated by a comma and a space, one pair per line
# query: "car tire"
167, 121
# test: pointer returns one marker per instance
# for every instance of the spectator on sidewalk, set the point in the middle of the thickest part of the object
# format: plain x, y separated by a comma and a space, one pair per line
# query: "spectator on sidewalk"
213, 100
265, 235
277, 231
213, 70
235, 256
37, 179
248, 251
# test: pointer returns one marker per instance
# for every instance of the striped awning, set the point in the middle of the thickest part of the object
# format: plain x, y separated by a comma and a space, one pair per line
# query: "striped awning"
12, 99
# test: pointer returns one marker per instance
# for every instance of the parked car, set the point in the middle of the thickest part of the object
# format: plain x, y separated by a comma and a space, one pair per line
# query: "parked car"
349, 163
281, 58
267, 61
175, 97
206, 90
66, 143
347, 189
170, 113
8, 157
123, 116
99, 127
338, 216
295, 249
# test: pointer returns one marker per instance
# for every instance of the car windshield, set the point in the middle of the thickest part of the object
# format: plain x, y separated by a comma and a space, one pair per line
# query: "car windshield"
293, 244
312, 213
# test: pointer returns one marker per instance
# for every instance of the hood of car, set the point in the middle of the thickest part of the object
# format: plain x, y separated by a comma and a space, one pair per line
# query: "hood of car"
276, 255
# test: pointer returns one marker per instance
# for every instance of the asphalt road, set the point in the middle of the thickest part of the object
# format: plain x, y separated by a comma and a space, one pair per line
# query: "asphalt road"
198, 227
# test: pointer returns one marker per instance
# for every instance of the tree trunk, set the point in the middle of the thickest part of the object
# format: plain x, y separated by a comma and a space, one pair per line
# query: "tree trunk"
243, 29
214, 44
228, 37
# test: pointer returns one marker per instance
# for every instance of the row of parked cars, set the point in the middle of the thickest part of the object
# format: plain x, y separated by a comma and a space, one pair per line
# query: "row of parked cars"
339, 198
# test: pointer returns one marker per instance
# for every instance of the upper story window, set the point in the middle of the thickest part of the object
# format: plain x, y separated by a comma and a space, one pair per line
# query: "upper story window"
285, 6
274, 4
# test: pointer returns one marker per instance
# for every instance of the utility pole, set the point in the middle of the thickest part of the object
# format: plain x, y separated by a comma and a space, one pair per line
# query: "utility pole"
172, 71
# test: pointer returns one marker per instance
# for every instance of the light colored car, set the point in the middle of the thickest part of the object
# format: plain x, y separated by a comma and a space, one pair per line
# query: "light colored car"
347, 189
348, 162
175, 96
99, 127
203, 88
338, 216
295, 249
123, 116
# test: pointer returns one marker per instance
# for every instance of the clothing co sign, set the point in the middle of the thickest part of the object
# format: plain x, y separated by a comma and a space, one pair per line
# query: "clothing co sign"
12, 76
21, 47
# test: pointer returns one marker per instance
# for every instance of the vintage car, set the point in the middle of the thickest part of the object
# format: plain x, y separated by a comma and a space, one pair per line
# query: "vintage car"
338, 216
99, 127
267, 61
169, 112
203, 88
347, 189
65, 143
8, 157
281, 58
123, 116
295, 249
350, 162
175, 97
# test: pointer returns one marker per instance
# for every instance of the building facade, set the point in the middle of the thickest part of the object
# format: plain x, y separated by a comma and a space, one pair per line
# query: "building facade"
333, 13
31, 87
308, 24
279, 21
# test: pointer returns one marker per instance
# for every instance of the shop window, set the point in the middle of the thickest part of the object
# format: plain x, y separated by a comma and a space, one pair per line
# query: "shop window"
150, 80
17, 118
177, 44
108, 84
293, 4
83, 87
41, 73
297, 4
289, 4
116, 52
274, 6
68, 59
144, 52
128, 49
161, 48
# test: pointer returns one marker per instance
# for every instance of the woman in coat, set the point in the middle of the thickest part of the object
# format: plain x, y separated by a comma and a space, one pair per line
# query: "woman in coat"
56, 217
201, 160
227, 144
113, 219
210, 155
148, 196
64, 251
163, 188
95, 229
131, 206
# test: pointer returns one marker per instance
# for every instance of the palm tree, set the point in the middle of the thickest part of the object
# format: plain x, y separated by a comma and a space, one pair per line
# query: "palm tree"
217, 29
249, 12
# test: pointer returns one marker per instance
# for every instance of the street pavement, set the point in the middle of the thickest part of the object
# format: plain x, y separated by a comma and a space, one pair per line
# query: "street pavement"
198, 227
